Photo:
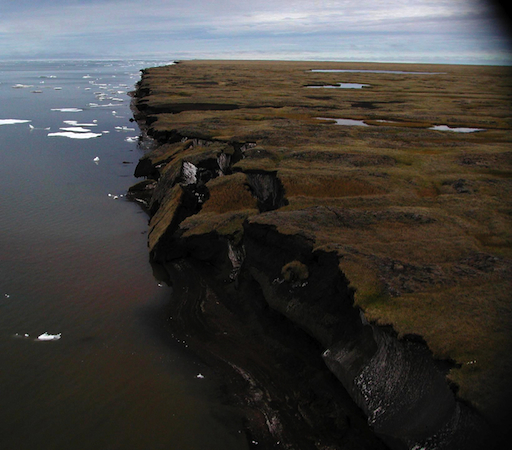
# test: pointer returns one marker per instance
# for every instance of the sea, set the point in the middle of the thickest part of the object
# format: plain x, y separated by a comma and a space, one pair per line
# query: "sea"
87, 355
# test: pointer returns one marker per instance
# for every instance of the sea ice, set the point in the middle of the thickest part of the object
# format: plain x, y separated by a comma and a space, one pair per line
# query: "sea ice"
76, 129
72, 135
21, 86
75, 123
132, 139
13, 121
49, 337
67, 109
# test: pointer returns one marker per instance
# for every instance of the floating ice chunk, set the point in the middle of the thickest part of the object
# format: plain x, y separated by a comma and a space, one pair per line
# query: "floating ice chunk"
72, 135
22, 86
96, 159
76, 129
13, 121
124, 128
67, 109
107, 105
21, 336
57, 88
132, 139
200, 375
75, 123
49, 337
105, 132
86, 76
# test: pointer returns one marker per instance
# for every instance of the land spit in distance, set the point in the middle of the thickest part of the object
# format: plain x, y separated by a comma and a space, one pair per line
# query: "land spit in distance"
383, 249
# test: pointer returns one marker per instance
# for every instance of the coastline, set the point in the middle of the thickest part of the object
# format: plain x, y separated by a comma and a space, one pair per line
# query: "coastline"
236, 244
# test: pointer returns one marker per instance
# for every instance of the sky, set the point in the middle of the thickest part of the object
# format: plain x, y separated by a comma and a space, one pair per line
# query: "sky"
417, 31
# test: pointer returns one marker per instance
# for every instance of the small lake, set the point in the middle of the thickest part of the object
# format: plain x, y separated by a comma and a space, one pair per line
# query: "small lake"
342, 86
348, 122
361, 123
455, 129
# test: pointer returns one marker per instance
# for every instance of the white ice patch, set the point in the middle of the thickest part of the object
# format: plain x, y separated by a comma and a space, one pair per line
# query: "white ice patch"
72, 135
124, 129
132, 139
65, 110
76, 129
22, 86
75, 123
49, 337
108, 105
13, 121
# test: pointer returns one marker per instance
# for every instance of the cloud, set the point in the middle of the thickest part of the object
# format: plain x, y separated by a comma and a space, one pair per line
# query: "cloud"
130, 27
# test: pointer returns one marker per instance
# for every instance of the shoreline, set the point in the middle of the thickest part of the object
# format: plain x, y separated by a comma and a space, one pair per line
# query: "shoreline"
195, 240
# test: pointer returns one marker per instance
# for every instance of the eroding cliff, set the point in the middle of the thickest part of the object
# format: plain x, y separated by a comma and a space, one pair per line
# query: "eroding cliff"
351, 247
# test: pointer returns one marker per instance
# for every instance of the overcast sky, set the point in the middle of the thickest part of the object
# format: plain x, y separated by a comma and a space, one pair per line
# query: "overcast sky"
438, 31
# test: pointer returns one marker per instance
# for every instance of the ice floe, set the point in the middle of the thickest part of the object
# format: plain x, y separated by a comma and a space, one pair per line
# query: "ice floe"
96, 159
66, 110
21, 335
75, 123
13, 121
76, 129
72, 135
22, 86
49, 337
124, 128
115, 197
107, 105
132, 139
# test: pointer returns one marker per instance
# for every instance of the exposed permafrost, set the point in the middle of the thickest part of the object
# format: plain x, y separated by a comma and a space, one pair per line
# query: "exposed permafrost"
403, 393
267, 188
188, 173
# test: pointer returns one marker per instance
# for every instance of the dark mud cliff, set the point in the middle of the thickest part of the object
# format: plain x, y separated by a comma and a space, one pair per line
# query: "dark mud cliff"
324, 268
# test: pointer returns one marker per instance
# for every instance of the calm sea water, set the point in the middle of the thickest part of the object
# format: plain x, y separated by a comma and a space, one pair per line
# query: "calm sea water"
74, 264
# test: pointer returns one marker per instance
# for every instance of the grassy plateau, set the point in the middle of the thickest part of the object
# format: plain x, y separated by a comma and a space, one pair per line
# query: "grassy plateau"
419, 216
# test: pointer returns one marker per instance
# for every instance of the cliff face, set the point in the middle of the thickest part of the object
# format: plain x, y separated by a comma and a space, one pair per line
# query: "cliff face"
329, 238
